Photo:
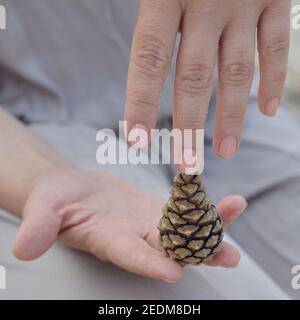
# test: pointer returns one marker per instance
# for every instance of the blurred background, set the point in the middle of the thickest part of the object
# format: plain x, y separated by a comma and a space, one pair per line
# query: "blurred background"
292, 96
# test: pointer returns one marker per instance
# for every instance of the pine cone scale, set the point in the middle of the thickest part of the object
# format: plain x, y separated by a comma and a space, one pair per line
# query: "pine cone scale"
190, 228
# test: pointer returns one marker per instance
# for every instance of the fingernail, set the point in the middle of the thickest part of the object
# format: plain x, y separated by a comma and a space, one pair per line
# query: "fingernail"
272, 107
138, 136
236, 213
228, 147
189, 157
240, 204
191, 162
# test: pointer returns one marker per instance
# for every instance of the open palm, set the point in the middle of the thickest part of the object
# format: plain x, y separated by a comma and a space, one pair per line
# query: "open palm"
110, 218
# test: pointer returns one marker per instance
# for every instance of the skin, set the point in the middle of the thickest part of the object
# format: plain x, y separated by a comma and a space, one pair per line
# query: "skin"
213, 32
58, 201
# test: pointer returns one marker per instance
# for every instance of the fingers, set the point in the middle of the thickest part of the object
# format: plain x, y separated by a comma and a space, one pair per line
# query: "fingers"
273, 46
38, 231
153, 239
236, 66
151, 54
193, 84
133, 254
230, 208
228, 257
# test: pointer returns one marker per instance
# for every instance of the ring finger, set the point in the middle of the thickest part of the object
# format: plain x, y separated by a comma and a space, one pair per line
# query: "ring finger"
236, 67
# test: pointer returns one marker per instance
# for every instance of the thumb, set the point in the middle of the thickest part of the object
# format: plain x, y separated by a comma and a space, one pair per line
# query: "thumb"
38, 231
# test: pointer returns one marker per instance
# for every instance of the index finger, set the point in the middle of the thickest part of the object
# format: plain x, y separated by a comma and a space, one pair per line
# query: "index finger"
151, 54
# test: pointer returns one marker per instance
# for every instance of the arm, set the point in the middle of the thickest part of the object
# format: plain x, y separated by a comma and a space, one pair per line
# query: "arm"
24, 159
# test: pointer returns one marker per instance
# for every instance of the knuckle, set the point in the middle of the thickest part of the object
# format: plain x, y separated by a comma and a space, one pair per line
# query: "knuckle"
191, 123
191, 117
233, 116
276, 81
238, 74
142, 101
165, 6
276, 48
195, 79
152, 59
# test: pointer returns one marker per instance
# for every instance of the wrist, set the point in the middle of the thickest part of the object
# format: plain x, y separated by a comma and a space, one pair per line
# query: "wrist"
41, 172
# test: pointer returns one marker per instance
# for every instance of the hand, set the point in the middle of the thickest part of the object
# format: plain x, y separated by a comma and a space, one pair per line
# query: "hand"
211, 31
110, 218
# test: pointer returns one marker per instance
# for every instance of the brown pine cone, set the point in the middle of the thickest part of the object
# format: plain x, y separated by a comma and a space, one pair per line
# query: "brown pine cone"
190, 228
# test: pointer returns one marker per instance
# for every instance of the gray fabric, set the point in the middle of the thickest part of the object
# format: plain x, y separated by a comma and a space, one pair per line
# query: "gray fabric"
65, 62
267, 172
60, 59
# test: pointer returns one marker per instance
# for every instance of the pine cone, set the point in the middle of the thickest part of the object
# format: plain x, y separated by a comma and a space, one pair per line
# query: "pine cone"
190, 228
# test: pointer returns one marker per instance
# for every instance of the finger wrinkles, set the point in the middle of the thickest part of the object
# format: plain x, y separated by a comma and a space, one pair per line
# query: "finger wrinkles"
193, 113
276, 48
191, 122
276, 80
143, 101
232, 117
201, 8
237, 74
152, 59
165, 6
195, 79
